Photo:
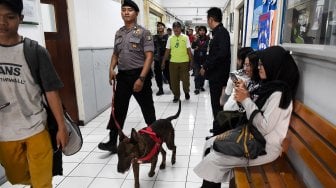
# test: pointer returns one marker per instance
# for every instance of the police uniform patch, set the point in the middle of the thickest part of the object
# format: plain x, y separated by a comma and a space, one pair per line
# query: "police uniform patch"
149, 37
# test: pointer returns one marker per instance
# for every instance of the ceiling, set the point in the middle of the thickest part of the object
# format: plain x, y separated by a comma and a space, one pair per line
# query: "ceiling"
192, 12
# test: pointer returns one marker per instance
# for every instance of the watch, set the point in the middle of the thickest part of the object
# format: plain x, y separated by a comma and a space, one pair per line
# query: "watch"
142, 78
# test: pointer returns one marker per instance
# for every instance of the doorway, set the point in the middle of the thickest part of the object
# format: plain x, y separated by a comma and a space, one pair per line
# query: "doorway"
57, 38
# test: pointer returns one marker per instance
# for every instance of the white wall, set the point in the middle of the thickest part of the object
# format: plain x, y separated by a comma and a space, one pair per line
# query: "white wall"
32, 31
97, 22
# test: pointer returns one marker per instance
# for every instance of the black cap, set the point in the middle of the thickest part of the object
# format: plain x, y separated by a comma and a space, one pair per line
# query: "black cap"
177, 24
14, 5
160, 23
131, 3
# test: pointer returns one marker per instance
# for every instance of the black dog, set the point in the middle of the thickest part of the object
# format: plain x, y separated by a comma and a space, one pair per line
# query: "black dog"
140, 147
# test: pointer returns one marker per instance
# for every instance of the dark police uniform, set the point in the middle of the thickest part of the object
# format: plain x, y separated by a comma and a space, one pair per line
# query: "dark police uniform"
160, 48
131, 45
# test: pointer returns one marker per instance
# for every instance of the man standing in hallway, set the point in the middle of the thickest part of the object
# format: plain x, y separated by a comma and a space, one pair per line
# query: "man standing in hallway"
200, 46
179, 49
26, 151
133, 53
160, 41
217, 66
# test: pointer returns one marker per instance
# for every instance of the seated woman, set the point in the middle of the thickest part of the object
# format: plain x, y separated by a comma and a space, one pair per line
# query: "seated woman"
274, 103
232, 108
239, 72
251, 79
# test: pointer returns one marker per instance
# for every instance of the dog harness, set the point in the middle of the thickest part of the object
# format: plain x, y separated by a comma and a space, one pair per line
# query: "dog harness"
155, 149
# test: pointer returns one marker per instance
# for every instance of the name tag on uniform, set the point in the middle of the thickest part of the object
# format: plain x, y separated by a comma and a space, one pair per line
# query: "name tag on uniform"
134, 40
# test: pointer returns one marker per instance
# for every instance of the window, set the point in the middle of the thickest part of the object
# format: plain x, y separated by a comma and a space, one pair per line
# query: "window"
153, 19
310, 22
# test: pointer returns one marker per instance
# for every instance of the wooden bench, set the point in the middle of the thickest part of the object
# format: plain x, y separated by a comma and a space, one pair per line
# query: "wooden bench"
312, 139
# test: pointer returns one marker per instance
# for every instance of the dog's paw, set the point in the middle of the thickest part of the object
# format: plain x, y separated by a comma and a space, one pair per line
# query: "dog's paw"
162, 166
151, 174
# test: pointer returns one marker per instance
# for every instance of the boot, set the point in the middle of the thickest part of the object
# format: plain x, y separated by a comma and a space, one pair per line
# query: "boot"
209, 184
111, 145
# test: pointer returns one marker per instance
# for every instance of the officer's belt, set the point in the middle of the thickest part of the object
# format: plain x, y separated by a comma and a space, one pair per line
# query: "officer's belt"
131, 72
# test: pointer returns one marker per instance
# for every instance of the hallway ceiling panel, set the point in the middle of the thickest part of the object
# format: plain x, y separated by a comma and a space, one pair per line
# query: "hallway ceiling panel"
192, 12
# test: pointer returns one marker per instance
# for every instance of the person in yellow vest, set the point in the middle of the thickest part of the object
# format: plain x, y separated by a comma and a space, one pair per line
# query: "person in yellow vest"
179, 48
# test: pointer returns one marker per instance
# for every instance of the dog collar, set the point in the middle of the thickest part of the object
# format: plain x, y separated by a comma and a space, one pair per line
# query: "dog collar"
155, 149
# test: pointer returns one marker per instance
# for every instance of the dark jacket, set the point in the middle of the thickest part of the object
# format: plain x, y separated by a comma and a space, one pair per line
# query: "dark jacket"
160, 46
218, 62
202, 44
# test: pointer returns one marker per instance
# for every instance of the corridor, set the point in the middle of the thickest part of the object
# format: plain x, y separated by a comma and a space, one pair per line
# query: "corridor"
94, 168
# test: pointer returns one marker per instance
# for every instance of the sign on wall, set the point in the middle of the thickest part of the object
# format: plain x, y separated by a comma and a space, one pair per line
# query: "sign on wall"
30, 12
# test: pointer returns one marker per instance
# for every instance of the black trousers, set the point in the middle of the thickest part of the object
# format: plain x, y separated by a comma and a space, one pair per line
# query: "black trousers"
123, 94
199, 79
158, 74
166, 72
215, 94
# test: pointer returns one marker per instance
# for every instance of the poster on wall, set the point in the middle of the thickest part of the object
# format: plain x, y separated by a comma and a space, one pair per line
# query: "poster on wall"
255, 23
273, 26
30, 12
264, 31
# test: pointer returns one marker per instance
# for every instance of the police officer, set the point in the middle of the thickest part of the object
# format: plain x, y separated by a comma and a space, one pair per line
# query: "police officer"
133, 53
160, 41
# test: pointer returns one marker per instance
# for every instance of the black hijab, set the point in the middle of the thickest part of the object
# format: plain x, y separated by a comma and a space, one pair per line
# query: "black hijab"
282, 75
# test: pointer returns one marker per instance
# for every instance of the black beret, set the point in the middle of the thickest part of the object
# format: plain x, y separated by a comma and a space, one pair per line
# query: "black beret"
160, 23
14, 5
131, 3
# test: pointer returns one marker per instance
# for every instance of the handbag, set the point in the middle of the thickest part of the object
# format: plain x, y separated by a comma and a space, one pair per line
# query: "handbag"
75, 141
242, 141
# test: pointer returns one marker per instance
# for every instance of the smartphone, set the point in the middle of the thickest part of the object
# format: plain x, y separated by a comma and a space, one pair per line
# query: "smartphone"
4, 105
233, 77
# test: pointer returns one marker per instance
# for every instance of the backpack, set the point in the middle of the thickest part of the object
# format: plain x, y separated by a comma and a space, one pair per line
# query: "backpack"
30, 50
35, 57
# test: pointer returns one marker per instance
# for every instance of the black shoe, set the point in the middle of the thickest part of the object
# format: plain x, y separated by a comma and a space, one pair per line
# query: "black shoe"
175, 100
196, 91
202, 89
108, 147
160, 92
187, 96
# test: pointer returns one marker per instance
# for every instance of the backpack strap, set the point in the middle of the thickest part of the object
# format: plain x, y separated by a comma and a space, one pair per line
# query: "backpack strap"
31, 56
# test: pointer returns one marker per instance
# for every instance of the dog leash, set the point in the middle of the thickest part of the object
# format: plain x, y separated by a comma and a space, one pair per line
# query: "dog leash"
112, 108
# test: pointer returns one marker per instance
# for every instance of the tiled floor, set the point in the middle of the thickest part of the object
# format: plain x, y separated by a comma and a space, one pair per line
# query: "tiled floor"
94, 168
